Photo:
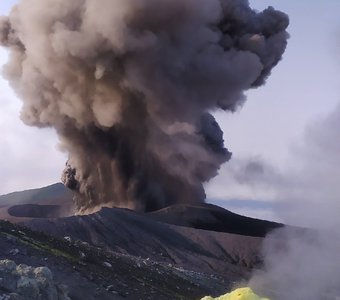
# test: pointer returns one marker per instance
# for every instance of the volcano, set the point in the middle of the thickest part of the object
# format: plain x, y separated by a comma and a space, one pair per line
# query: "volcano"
179, 252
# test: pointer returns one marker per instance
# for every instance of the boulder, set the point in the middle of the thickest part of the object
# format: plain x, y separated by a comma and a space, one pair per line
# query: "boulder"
21, 282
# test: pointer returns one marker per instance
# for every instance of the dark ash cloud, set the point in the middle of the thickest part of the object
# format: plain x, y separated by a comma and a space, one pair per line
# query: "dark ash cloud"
129, 90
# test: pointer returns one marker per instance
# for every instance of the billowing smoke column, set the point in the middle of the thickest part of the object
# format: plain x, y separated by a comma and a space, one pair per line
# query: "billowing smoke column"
129, 84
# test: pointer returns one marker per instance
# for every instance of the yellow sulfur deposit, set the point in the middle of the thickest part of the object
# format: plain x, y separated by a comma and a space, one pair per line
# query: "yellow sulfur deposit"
239, 294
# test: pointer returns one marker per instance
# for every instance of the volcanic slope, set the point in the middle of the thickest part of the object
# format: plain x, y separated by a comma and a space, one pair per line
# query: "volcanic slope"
50, 201
93, 273
123, 231
179, 252
213, 218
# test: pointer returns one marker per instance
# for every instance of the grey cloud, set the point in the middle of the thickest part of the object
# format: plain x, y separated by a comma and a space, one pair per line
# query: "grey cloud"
307, 184
255, 171
300, 265
305, 264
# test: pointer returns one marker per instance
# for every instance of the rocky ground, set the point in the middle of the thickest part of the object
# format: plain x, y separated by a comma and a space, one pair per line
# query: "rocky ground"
181, 252
19, 282
127, 232
90, 272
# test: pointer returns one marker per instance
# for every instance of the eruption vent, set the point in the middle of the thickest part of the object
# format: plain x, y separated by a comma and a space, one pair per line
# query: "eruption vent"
129, 84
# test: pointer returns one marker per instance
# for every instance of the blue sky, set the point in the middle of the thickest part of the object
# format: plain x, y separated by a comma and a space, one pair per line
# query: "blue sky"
29, 157
303, 88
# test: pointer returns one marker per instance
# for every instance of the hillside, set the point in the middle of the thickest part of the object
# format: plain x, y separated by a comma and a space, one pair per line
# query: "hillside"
93, 273
179, 252
52, 194
50, 201
213, 218
125, 231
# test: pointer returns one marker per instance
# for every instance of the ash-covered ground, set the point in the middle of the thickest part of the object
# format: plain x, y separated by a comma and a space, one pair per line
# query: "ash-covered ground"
181, 252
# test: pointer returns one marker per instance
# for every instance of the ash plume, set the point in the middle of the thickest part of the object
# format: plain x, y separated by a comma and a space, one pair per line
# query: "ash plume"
129, 86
